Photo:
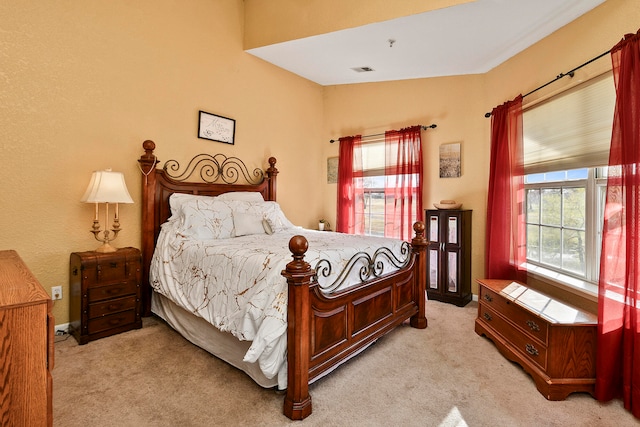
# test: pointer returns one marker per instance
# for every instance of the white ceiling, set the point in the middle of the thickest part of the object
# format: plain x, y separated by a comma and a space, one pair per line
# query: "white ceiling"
470, 38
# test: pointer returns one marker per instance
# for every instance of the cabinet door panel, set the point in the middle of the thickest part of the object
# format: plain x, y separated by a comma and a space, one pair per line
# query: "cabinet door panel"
433, 269
452, 272
452, 230
433, 229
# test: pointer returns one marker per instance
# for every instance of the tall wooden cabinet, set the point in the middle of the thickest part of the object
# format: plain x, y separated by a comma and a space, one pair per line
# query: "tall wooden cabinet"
449, 256
26, 346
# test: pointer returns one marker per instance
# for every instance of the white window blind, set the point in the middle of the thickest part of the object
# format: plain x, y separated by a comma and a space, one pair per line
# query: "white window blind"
571, 130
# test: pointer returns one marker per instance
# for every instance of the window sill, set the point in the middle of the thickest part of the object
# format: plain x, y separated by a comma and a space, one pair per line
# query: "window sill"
570, 284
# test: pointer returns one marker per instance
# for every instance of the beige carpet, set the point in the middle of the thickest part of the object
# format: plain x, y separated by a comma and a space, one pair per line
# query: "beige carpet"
445, 375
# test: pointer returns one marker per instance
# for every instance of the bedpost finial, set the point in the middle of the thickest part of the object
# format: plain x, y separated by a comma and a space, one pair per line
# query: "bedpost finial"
298, 245
149, 146
419, 240
272, 161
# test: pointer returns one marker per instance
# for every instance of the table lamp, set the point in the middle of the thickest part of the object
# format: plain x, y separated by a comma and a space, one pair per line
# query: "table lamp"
106, 187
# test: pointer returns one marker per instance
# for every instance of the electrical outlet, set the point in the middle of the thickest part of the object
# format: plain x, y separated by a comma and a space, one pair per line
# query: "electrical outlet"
56, 292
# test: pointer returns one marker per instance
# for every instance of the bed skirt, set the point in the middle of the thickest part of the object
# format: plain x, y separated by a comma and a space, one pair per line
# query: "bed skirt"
223, 345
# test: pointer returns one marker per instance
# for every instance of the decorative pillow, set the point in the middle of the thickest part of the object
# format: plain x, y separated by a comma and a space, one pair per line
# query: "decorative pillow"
246, 196
178, 200
267, 226
264, 210
205, 218
246, 224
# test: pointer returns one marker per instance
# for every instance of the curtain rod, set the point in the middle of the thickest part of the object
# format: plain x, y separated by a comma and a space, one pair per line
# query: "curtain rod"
431, 126
569, 73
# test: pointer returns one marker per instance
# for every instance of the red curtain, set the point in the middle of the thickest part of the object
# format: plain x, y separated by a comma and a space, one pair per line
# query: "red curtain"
618, 354
350, 217
403, 181
506, 239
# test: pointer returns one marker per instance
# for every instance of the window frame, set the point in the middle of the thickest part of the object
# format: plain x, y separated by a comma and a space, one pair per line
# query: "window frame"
595, 188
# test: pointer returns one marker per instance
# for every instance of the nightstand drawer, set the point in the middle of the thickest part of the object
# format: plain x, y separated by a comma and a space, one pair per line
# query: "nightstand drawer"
112, 306
110, 271
111, 291
105, 268
112, 321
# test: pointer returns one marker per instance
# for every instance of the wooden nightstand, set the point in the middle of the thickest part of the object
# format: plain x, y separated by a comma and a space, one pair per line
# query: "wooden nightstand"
105, 293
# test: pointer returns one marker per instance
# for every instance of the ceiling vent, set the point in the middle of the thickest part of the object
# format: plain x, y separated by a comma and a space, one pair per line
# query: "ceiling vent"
362, 69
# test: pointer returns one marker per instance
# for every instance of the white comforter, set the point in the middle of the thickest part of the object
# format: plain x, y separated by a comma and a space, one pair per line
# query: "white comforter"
236, 283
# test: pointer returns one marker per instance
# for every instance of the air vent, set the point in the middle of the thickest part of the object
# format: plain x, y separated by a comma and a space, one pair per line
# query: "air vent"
362, 69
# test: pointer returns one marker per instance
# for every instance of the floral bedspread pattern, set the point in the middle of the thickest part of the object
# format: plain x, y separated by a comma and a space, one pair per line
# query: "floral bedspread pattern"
236, 283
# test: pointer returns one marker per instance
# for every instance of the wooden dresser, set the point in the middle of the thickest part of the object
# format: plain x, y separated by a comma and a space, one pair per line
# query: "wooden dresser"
26, 346
105, 293
553, 341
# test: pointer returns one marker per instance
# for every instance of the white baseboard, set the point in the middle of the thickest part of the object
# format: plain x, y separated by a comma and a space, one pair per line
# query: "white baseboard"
63, 327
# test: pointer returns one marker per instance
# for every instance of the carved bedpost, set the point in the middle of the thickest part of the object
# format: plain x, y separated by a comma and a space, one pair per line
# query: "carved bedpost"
272, 175
147, 165
419, 247
299, 275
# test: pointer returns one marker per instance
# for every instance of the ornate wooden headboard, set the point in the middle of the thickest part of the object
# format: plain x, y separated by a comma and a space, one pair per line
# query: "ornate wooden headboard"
217, 173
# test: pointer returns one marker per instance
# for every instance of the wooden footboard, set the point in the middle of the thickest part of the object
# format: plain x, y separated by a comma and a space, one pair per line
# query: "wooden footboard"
325, 331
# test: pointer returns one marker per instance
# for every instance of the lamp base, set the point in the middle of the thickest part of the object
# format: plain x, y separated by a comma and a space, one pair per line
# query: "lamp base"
106, 247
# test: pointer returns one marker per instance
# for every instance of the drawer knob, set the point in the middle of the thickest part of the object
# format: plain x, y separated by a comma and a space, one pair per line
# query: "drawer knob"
488, 297
533, 326
531, 350
487, 316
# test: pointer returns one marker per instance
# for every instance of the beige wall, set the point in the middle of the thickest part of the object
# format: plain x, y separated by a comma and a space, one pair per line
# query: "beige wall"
458, 104
85, 82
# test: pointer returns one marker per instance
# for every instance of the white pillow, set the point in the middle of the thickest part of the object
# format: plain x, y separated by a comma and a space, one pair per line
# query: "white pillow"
178, 200
246, 224
247, 196
264, 210
205, 218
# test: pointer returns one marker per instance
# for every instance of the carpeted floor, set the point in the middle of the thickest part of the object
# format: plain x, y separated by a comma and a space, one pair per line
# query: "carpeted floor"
445, 375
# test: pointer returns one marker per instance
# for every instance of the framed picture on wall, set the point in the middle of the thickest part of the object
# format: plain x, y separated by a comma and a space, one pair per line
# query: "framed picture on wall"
450, 160
332, 170
216, 128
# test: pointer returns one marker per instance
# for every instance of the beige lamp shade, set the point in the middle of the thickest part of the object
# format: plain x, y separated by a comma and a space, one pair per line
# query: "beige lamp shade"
107, 187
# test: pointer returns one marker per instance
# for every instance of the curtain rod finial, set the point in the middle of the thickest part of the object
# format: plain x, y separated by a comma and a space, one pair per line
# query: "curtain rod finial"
487, 115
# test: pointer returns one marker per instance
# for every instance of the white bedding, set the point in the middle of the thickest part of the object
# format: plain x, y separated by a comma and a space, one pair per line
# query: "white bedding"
236, 283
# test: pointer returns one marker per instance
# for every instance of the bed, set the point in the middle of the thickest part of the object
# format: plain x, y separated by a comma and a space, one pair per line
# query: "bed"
328, 319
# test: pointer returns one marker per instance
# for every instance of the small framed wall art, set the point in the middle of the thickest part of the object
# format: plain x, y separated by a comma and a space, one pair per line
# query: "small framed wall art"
450, 160
216, 128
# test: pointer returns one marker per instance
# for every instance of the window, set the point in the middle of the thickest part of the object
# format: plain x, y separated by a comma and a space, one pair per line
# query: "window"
564, 214
379, 195
566, 144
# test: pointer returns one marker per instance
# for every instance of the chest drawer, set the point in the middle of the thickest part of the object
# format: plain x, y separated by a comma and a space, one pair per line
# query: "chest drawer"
102, 324
530, 348
532, 324
111, 291
112, 306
